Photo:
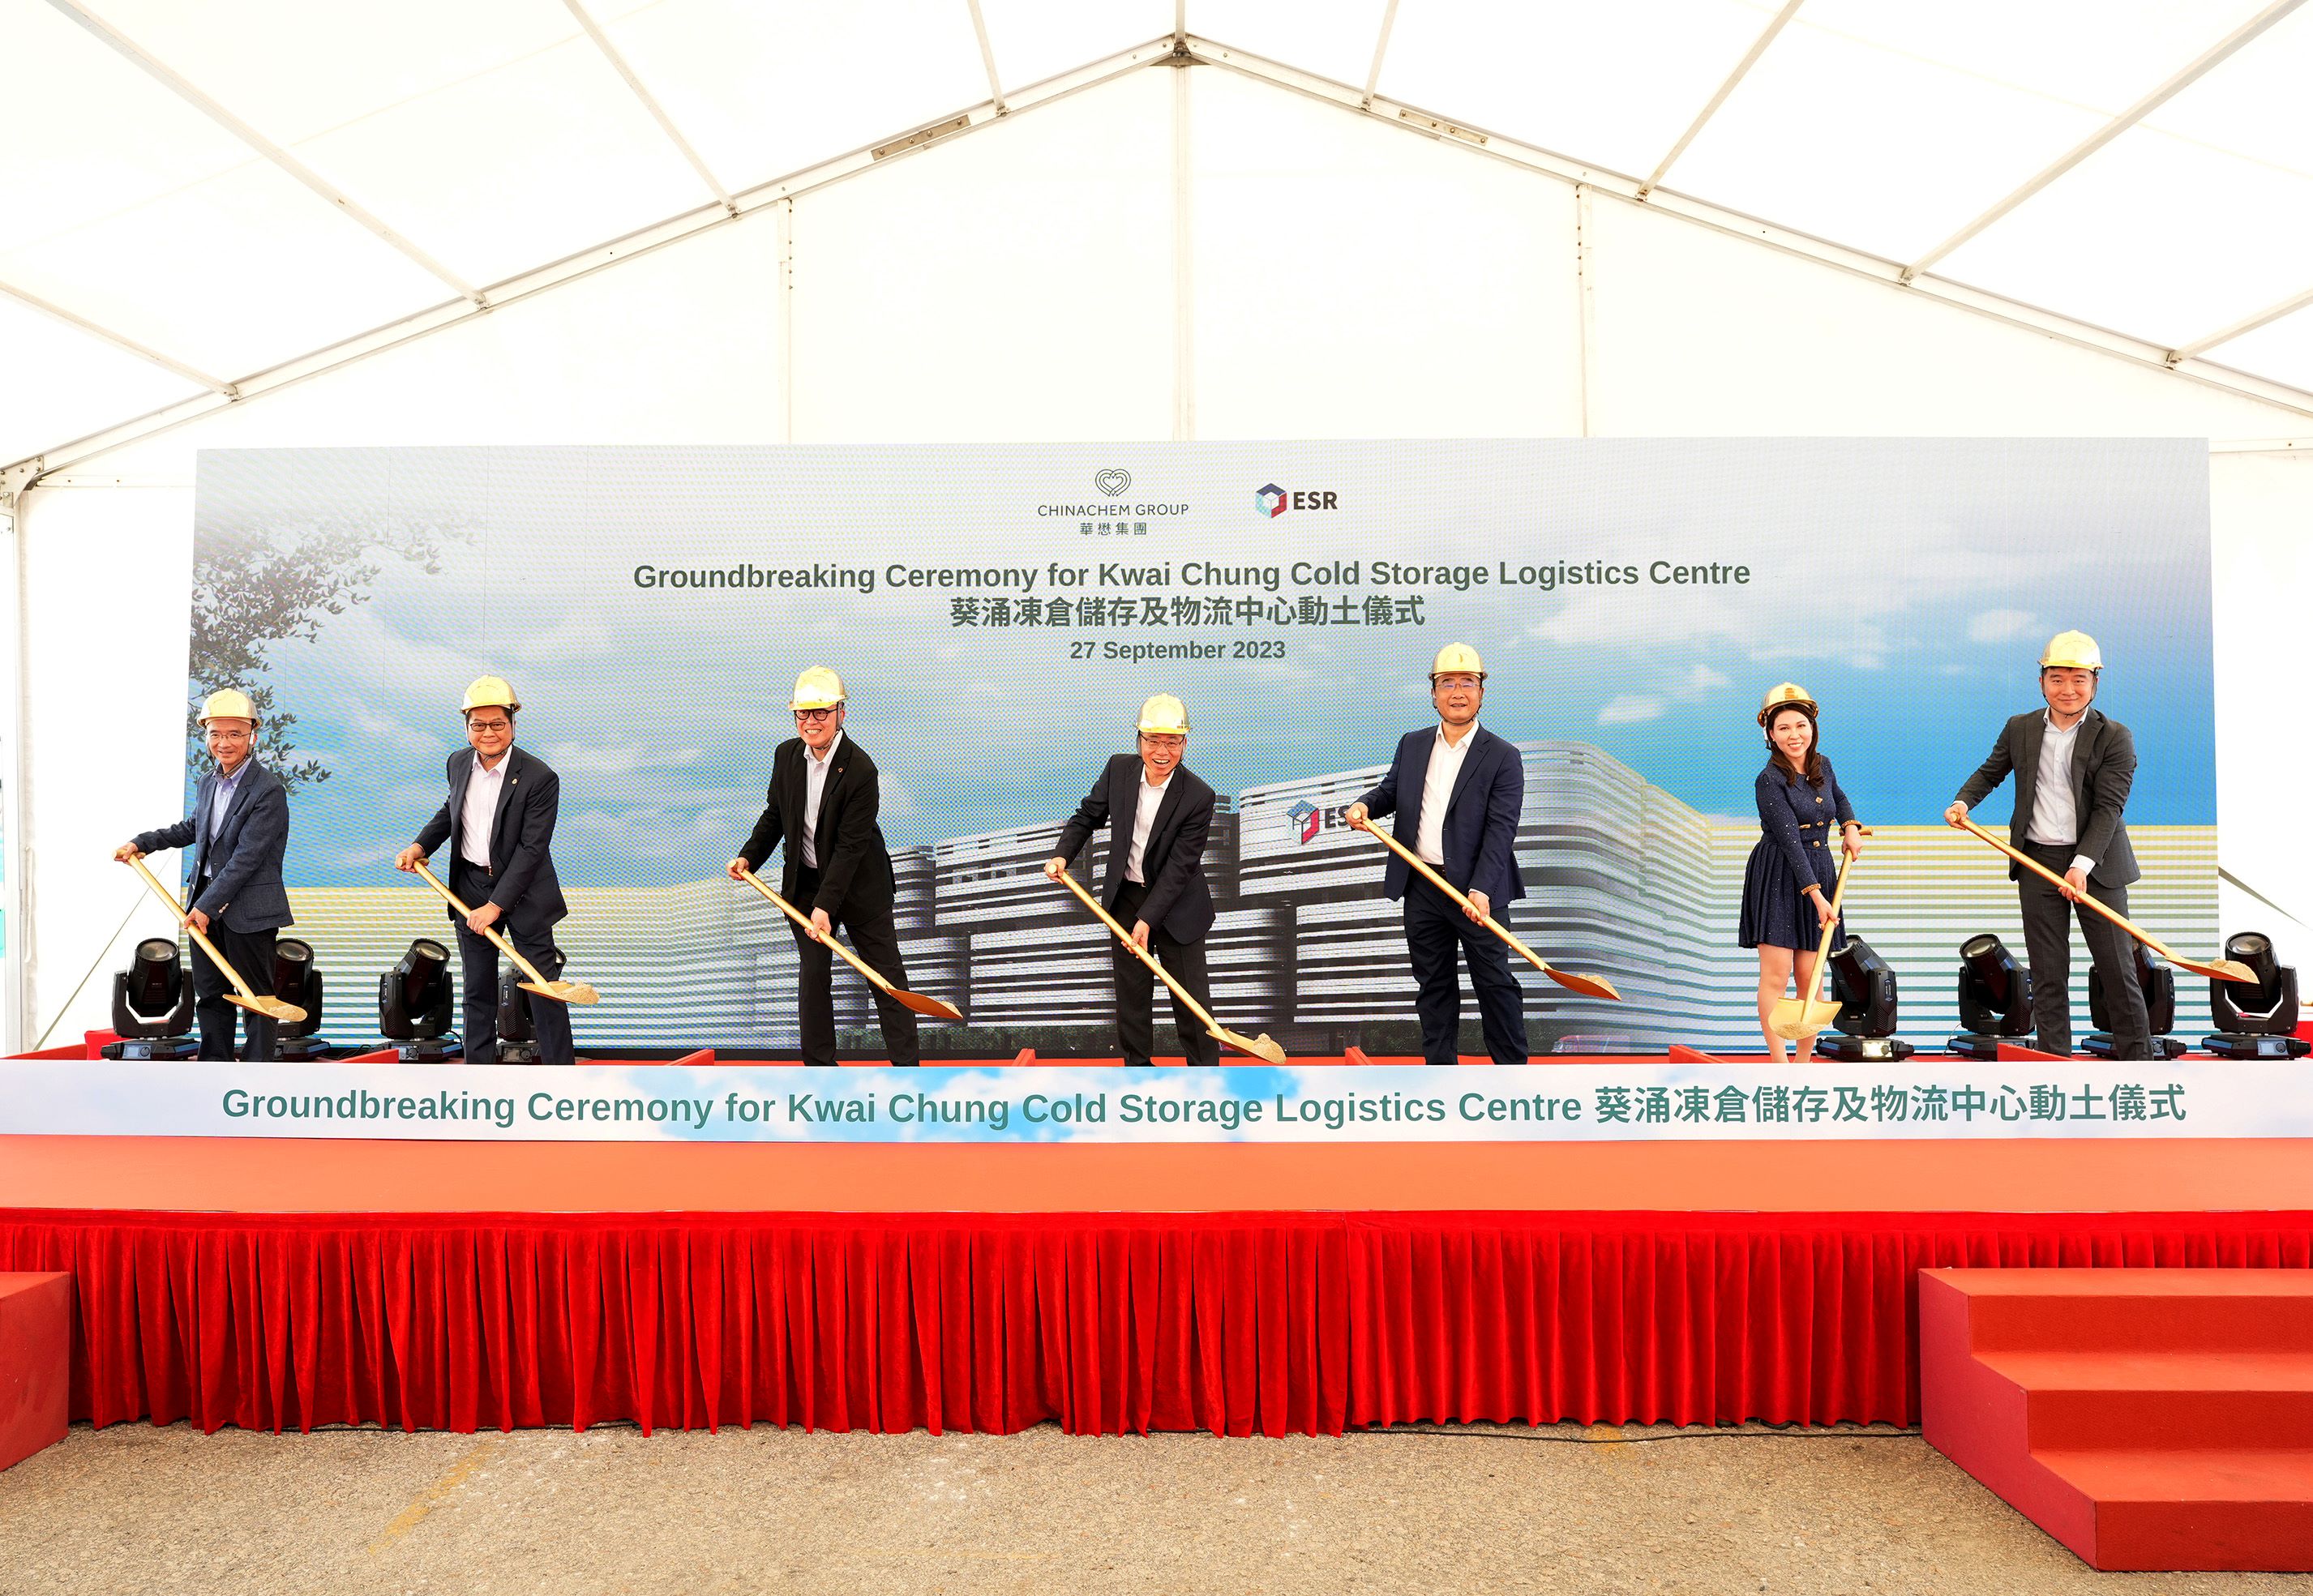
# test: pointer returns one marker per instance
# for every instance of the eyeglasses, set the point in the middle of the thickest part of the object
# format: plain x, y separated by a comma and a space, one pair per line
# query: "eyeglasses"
811, 717
490, 725
219, 734
1154, 741
1455, 681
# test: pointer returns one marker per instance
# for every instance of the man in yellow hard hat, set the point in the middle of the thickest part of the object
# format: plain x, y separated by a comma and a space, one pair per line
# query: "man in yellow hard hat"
498, 820
239, 830
1158, 813
1458, 791
2073, 768
821, 805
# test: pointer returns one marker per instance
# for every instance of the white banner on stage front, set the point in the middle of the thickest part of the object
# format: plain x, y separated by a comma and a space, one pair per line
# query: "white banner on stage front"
1917, 1099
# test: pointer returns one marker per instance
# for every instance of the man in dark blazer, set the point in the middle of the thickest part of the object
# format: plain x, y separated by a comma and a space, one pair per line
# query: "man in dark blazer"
498, 820
2074, 769
239, 830
1158, 814
1457, 791
822, 804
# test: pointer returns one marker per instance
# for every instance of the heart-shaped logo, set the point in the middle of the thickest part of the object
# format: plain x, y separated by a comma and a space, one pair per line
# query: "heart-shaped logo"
1112, 481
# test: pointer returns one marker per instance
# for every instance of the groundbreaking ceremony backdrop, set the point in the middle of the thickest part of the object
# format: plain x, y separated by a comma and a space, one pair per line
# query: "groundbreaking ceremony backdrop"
999, 612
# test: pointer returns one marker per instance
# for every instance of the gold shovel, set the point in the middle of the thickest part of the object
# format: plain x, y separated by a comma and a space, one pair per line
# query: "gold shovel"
1796, 1018
272, 1008
1588, 986
931, 1007
2215, 970
1259, 1047
577, 992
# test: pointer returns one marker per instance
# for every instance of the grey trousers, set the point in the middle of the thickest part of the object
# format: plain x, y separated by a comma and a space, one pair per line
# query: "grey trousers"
2048, 942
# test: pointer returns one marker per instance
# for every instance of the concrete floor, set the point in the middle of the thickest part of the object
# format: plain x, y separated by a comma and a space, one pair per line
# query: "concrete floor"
137, 1509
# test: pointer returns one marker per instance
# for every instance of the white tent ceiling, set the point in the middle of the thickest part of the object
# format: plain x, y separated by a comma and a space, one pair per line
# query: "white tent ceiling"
205, 199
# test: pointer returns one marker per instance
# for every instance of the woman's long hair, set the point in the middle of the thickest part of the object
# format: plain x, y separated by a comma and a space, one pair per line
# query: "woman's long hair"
1814, 771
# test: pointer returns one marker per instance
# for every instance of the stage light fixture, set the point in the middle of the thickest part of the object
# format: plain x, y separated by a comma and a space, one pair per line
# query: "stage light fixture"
2157, 982
1864, 985
1995, 997
152, 1005
2258, 1022
517, 1037
297, 978
414, 1001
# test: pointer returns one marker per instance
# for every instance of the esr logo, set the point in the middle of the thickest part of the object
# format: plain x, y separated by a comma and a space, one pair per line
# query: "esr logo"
1272, 501
1304, 820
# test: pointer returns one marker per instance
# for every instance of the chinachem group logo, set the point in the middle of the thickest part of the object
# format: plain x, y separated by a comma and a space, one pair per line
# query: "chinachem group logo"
1272, 501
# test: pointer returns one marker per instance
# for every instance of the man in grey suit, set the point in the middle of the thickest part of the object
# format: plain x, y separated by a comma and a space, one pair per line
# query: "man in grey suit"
237, 831
2074, 769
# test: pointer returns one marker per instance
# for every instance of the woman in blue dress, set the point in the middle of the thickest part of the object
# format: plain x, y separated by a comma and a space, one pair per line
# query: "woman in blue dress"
1804, 822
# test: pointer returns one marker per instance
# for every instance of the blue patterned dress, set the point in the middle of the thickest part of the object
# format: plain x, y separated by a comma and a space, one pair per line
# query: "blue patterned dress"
1799, 842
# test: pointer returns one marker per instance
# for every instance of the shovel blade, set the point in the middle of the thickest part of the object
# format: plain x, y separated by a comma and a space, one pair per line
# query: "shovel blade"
573, 992
2218, 969
1258, 1047
1588, 986
1795, 1019
931, 1008
272, 1008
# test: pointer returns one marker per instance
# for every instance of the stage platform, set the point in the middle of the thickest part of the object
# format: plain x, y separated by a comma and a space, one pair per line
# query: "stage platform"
1245, 1287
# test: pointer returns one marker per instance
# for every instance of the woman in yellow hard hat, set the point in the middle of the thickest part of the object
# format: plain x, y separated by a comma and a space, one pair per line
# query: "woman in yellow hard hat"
1805, 821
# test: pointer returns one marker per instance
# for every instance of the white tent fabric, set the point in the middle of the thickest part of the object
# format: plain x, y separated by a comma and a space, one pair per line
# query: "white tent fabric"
203, 195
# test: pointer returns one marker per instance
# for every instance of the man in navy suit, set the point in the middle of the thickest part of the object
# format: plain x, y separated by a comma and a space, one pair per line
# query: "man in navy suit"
239, 830
1457, 791
498, 820
1158, 814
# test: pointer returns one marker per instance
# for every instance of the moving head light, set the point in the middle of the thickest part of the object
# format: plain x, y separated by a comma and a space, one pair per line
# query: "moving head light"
1864, 985
517, 1037
297, 978
152, 1005
2157, 982
1995, 997
2257, 1022
414, 1001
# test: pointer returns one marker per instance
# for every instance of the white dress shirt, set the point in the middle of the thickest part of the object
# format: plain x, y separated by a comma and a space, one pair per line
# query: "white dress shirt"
815, 768
1144, 821
1436, 792
2055, 820
479, 812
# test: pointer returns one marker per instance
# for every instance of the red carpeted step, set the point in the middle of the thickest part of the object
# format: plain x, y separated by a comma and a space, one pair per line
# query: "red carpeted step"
2148, 1418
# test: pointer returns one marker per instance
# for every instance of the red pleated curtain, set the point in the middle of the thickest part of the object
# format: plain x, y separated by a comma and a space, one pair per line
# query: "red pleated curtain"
1273, 1323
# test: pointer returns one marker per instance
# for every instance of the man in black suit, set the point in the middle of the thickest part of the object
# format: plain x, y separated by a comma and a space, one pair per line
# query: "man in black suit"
498, 820
822, 804
239, 829
1458, 791
2074, 769
1158, 814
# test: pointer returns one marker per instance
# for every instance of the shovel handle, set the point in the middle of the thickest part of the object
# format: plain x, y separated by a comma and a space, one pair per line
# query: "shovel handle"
804, 920
2058, 881
1443, 885
1124, 936
185, 921
491, 931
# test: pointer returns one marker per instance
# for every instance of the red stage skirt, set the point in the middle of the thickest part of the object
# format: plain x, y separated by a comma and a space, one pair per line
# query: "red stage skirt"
1277, 1323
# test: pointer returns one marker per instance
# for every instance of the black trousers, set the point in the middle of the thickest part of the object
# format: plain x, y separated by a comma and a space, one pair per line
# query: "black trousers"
252, 953
1136, 988
2048, 942
867, 929
550, 1021
1434, 928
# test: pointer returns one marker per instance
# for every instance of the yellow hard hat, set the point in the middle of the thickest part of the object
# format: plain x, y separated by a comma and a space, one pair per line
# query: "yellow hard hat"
817, 688
489, 692
1460, 659
2071, 651
1164, 714
226, 703
1783, 695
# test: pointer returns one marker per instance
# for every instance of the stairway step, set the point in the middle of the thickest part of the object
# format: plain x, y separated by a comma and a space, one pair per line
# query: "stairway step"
2207, 1509
2084, 1309
2130, 1370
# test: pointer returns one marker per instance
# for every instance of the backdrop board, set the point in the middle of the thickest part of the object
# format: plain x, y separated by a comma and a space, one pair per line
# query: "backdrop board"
999, 612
